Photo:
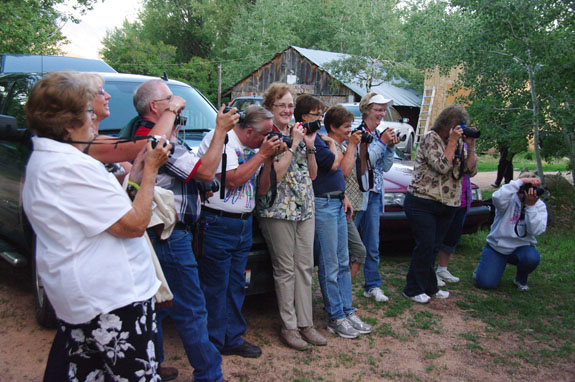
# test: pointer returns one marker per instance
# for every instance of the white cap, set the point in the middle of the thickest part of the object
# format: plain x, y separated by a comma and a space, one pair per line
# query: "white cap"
381, 100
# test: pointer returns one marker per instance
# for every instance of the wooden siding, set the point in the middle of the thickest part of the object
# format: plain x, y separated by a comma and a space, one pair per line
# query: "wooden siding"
310, 79
443, 85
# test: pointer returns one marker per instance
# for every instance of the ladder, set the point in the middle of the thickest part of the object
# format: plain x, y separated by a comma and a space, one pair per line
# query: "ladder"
424, 113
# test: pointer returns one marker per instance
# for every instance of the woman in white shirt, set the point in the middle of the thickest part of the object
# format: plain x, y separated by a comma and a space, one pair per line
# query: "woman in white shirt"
95, 265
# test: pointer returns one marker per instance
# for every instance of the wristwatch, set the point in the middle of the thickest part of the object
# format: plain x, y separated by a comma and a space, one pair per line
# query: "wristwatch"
313, 150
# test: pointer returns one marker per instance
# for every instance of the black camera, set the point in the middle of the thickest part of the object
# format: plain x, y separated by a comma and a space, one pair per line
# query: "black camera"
180, 120
287, 140
365, 136
311, 127
240, 113
469, 132
204, 187
527, 186
401, 137
155, 139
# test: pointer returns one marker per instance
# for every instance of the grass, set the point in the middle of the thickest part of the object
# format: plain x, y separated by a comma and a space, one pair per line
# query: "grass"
488, 162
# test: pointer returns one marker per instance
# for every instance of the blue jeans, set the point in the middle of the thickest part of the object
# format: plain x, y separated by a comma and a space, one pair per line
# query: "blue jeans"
227, 243
492, 264
454, 232
330, 245
188, 311
368, 224
429, 221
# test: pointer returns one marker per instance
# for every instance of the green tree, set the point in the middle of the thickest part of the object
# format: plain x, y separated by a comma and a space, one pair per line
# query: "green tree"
33, 26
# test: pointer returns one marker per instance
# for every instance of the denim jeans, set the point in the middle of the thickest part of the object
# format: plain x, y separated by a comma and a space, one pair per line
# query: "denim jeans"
330, 245
492, 264
188, 311
454, 232
227, 243
368, 224
429, 221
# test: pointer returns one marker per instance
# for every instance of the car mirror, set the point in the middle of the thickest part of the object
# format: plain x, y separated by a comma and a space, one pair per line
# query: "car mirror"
9, 130
405, 120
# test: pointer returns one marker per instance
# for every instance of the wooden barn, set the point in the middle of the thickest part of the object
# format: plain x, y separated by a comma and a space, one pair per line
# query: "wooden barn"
305, 70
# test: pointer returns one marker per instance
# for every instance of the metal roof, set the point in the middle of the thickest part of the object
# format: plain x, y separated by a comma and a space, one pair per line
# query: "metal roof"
400, 96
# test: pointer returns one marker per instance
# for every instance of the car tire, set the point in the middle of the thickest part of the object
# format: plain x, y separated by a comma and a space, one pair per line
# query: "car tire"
45, 314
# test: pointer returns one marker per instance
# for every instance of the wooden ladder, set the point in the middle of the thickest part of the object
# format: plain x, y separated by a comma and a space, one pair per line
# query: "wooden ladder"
424, 113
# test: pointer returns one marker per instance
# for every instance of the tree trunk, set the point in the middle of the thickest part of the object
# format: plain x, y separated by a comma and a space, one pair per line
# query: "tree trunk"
535, 124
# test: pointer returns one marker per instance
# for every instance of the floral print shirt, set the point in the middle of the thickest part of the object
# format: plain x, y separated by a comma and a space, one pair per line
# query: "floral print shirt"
434, 177
295, 197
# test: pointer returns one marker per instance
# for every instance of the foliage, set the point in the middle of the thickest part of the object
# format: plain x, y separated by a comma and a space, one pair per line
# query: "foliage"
33, 26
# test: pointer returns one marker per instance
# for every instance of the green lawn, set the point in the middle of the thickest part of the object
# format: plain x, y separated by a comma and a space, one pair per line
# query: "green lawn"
489, 163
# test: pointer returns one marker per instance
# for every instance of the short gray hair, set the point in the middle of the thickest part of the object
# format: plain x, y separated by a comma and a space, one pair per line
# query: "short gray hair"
254, 115
146, 93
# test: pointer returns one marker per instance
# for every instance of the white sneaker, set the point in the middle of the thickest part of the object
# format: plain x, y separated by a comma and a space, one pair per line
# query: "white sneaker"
447, 277
441, 294
420, 298
521, 287
440, 282
377, 294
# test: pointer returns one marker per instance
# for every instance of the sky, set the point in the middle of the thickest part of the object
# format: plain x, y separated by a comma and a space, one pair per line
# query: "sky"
86, 37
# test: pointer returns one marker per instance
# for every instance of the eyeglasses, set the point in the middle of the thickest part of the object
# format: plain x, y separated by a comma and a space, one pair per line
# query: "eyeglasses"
320, 115
101, 92
284, 106
163, 99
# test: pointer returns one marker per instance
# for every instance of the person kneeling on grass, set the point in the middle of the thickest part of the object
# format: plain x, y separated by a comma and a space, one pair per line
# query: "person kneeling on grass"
519, 216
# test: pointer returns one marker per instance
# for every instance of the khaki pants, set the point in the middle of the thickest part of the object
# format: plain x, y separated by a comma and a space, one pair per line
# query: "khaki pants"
291, 248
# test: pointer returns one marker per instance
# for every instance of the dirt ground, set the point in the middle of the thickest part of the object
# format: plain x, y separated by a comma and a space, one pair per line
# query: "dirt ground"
441, 346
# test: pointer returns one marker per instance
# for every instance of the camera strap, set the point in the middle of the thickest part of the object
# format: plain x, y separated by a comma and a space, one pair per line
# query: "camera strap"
461, 156
105, 141
223, 172
370, 180
521, 217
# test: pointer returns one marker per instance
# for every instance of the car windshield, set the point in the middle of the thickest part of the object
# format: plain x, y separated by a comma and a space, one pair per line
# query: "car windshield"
200, 113
354, 109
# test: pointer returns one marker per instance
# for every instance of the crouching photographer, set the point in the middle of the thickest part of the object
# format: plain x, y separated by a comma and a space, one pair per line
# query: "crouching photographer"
520, 215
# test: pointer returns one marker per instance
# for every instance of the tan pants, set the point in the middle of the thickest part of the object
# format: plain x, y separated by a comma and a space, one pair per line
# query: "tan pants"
291, 248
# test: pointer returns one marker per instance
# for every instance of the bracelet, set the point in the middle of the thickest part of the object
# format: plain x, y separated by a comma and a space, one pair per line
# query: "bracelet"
134, 184
291, 151
311, 151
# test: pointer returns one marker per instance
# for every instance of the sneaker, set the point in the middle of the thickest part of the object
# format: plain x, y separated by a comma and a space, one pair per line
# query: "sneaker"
358, 324
440, 282
342, 328
377, 294
447, 277
441, 294
167, 373
420, 298
245, 350
521, 287
292, 338
311, 335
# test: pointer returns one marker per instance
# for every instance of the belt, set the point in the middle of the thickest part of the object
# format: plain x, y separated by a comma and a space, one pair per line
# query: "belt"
235, 215
180, 225
339, 196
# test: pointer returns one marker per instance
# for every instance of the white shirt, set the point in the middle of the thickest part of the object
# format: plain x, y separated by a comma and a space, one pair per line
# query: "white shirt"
240, 199
502, 237
71, 200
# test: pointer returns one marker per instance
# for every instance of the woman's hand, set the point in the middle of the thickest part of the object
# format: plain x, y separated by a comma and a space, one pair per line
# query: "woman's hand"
355, 138
297, 134
455, 134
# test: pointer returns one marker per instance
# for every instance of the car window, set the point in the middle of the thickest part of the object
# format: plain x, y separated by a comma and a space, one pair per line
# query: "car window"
200, 114
387, 116
17, 99
395, 116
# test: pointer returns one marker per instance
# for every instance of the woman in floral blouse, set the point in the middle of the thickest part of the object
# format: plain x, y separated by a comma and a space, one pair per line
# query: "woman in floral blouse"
288, 224
434, 196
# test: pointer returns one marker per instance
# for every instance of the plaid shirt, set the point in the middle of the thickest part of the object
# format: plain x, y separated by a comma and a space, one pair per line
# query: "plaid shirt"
175, 176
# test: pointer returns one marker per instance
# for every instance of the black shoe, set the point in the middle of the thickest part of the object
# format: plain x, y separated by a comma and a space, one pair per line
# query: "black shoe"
245, 350
167, 373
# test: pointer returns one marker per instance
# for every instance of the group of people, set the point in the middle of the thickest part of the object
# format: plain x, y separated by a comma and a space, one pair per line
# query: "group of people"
310, 193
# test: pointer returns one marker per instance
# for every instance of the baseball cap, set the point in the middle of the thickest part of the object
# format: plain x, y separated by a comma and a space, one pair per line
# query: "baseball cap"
380, 99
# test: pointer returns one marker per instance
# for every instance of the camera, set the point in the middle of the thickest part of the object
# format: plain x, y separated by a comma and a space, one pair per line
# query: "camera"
180, 120
527, 186
155, 139
469, 132
240, 113
204, 187
365, 136
287, 140
311, 127
401, 137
